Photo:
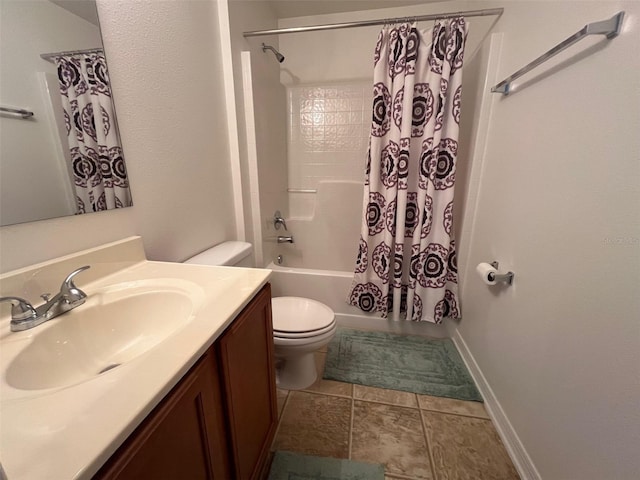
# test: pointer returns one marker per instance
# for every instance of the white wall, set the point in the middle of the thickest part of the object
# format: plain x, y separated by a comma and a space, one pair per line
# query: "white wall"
269, 116
328, 238
328, 132
327, 137
559, 204
167, 85
347, 54
31, 159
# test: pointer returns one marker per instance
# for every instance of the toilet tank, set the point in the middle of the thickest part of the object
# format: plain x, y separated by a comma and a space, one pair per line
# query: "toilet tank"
232, 253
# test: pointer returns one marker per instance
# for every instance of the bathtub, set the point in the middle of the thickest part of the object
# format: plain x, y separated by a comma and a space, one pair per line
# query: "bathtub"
331, 287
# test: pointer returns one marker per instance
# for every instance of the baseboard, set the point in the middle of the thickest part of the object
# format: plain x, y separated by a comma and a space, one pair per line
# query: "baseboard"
514, 446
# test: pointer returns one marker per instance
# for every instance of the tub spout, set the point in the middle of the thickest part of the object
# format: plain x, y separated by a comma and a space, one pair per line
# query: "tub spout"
285, 239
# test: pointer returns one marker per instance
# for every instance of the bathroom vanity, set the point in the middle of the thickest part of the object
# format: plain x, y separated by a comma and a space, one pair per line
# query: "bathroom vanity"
219, 421
166, 371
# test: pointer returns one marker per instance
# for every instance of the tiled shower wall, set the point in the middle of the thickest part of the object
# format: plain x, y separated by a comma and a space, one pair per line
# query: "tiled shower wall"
328, 131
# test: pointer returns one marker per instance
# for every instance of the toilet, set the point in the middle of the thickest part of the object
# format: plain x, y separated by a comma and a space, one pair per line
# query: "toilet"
237, 254
301, 326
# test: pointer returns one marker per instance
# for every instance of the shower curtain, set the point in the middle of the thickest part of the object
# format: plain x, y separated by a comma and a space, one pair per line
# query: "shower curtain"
406, 263
99, 171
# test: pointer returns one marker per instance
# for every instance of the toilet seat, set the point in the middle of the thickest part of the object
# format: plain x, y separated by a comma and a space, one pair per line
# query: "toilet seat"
306, 343
313, 333
297, 317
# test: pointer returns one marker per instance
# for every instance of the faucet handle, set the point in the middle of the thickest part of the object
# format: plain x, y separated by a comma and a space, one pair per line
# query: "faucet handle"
69, 291
20, 308
279, 220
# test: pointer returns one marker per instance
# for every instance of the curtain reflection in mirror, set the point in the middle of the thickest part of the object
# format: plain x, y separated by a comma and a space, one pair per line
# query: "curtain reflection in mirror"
99, 171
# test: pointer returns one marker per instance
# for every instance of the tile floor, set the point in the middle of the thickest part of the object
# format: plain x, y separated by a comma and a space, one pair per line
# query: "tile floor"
414, 436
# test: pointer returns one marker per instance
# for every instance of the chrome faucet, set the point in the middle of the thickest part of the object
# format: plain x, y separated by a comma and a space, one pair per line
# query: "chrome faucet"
24, 316
285, 239
279, 220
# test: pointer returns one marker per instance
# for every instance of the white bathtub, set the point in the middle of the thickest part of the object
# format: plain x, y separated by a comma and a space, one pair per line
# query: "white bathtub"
331, 288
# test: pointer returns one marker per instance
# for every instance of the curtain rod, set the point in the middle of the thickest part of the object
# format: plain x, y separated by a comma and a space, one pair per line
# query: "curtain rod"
368, 23
50, 56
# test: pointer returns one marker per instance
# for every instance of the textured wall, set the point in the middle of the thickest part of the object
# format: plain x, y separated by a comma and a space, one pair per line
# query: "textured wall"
558, 203
328, 132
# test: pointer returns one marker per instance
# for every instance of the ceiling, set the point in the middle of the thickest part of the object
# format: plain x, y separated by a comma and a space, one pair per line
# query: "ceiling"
283, 8
83, 8
303, 8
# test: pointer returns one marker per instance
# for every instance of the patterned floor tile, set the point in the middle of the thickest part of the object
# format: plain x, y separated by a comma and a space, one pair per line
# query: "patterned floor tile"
466, 448
281, 396
451, 405
388, 476
395, 397
391, 435
328, 387
399, 477
315, 425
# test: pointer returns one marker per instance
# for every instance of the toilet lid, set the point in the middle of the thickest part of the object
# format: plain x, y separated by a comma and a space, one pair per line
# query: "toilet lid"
297, 315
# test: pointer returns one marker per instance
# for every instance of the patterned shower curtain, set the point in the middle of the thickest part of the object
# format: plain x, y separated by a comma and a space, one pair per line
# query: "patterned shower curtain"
406, 260
100, 175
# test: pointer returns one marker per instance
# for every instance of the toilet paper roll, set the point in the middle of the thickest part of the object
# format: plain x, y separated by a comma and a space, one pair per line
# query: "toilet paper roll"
487, 273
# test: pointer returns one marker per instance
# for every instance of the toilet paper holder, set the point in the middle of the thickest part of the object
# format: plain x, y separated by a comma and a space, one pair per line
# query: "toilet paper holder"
501, 277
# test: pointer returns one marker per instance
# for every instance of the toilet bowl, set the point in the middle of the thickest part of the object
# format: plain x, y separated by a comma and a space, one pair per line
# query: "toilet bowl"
301, 327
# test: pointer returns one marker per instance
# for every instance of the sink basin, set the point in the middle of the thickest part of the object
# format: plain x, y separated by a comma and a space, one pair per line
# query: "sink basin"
113, 327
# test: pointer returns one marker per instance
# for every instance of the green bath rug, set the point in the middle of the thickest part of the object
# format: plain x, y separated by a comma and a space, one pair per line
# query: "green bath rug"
294, 466
410, 363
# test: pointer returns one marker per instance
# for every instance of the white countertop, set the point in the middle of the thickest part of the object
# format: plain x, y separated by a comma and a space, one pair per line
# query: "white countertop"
68, 433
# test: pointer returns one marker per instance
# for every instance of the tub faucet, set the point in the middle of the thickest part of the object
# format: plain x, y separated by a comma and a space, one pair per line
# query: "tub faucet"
285, 239
279, 220
24, 316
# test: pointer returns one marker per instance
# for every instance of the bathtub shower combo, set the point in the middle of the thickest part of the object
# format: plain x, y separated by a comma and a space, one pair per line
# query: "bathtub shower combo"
398, 140
319, 263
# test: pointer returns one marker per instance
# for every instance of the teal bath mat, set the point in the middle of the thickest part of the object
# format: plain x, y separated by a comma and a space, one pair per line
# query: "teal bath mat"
294, 466
399, 362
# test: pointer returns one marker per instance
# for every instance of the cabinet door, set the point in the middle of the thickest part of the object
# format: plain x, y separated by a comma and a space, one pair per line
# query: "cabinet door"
248, 376
184, 437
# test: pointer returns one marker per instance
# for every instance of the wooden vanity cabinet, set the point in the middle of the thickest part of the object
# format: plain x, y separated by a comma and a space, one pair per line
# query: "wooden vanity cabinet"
247, 372
218, 422
183, 437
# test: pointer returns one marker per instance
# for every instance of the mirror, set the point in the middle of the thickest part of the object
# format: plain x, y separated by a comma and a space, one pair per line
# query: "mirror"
60, 149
